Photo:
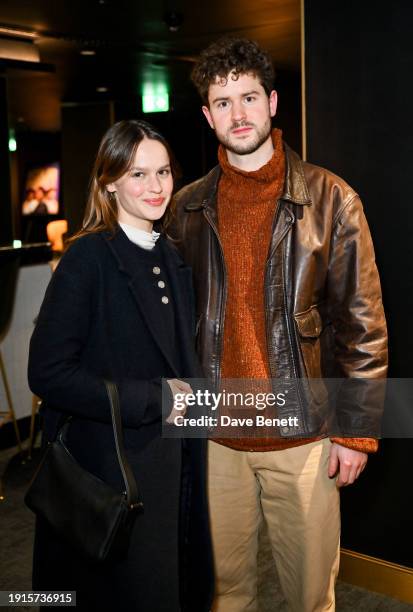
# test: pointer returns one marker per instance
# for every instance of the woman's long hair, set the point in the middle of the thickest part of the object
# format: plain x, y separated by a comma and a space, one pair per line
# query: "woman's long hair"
115, 156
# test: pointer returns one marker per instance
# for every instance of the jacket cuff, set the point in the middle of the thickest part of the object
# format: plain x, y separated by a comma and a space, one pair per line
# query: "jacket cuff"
153, 410
364, 445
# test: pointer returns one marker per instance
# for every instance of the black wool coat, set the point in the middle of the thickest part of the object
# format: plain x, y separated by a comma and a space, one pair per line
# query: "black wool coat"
103, 317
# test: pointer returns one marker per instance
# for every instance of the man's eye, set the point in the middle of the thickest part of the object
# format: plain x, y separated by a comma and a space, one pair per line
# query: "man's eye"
249, 99
222, 104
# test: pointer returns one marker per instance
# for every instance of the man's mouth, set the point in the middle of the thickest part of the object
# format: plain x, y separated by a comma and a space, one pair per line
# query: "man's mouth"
239, 131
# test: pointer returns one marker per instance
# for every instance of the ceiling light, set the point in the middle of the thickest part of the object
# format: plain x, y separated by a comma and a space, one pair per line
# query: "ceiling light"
102, 89
88, 52
17, 33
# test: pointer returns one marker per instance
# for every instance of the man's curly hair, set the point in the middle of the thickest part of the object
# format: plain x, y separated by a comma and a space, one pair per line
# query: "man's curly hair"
236, 55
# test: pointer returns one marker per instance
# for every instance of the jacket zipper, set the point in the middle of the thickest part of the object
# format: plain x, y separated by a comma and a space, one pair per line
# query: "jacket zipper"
290, 334
292, 339
270, 358
219, 335
271, 250
294, 353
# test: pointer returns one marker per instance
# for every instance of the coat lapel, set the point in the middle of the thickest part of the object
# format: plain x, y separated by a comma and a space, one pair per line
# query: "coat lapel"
179, 277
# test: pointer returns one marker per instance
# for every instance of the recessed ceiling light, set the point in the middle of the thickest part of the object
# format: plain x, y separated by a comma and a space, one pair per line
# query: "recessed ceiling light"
87, 52
102, 89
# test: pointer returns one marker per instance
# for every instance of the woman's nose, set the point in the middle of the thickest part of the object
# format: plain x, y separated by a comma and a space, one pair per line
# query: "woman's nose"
155, 184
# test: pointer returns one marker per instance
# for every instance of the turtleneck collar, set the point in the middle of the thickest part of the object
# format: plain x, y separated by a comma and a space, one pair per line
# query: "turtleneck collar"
146, 240
265, 174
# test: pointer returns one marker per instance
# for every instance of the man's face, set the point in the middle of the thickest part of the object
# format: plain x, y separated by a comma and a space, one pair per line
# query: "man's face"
240, 113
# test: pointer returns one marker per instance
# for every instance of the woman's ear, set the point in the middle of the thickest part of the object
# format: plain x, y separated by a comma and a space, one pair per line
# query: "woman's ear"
111, 187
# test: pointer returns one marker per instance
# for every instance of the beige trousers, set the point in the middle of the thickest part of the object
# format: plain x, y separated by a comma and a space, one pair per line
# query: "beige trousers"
300, 504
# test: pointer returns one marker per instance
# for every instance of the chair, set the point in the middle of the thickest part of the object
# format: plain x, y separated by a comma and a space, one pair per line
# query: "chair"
55, 232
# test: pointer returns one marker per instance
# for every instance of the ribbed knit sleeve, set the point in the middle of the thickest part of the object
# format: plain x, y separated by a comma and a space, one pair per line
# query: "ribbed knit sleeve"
364, 445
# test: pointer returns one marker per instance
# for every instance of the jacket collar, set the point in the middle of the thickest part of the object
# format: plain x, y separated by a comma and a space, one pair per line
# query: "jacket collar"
295, 185
124, 252
180, 279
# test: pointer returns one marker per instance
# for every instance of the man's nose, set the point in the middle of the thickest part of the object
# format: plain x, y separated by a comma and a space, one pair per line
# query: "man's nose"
238, 111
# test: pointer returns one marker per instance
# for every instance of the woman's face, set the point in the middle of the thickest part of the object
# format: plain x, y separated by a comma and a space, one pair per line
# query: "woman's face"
144, 191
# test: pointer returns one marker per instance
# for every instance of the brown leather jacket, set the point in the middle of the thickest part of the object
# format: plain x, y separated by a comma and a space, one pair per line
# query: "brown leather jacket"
324, 313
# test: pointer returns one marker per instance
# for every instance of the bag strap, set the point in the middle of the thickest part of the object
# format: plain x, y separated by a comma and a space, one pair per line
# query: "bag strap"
132, 495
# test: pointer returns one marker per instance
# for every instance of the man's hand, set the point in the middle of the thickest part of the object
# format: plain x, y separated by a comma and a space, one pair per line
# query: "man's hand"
177, 387
348, 463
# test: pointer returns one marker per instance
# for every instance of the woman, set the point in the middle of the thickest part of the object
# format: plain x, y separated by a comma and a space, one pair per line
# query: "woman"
119, 306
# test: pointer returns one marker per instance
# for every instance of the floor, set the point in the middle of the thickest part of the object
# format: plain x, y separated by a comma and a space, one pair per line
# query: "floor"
16, 534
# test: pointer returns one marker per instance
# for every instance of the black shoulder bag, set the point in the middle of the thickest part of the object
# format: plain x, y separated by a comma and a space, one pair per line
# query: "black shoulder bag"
80, 507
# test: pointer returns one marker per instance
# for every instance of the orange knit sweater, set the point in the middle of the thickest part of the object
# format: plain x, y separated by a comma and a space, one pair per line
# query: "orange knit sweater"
247, 203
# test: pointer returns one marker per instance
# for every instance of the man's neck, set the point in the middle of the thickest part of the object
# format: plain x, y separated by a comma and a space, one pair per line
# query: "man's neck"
252, 161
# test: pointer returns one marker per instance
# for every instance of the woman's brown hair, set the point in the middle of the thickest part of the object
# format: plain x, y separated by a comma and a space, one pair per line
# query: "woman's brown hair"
115, 156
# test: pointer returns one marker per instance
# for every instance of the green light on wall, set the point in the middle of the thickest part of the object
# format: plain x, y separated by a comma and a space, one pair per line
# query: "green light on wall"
12, 144
155, 98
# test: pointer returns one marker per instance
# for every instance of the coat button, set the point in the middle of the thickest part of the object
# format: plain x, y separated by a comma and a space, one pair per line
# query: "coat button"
165, 300
161, 284
156, 270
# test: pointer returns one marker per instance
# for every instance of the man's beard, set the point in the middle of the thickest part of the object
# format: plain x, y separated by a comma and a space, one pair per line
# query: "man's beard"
245, 148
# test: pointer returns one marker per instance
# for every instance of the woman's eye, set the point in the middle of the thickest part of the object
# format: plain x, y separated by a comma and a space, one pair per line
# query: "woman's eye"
138, 174
165, 172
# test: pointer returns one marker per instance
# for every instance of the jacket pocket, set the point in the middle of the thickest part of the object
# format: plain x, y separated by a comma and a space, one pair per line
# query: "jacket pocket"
309, 326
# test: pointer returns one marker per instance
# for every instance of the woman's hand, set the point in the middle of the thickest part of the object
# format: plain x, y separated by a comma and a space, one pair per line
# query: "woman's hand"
178, 388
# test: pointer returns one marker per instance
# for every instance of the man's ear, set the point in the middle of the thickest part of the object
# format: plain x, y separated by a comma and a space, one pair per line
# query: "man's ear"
273, 100
208, 116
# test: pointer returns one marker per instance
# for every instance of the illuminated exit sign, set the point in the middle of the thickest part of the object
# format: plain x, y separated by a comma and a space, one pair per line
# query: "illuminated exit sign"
155, 98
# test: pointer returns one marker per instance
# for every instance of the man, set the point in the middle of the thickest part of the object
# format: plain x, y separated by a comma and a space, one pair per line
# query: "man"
283, 263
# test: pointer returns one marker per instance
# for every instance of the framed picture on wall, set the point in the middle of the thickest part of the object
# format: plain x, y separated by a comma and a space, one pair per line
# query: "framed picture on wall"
41, 195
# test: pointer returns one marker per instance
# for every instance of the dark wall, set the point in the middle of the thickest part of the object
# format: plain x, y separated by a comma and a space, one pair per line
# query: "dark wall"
83, 126
359, 62
6, 216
